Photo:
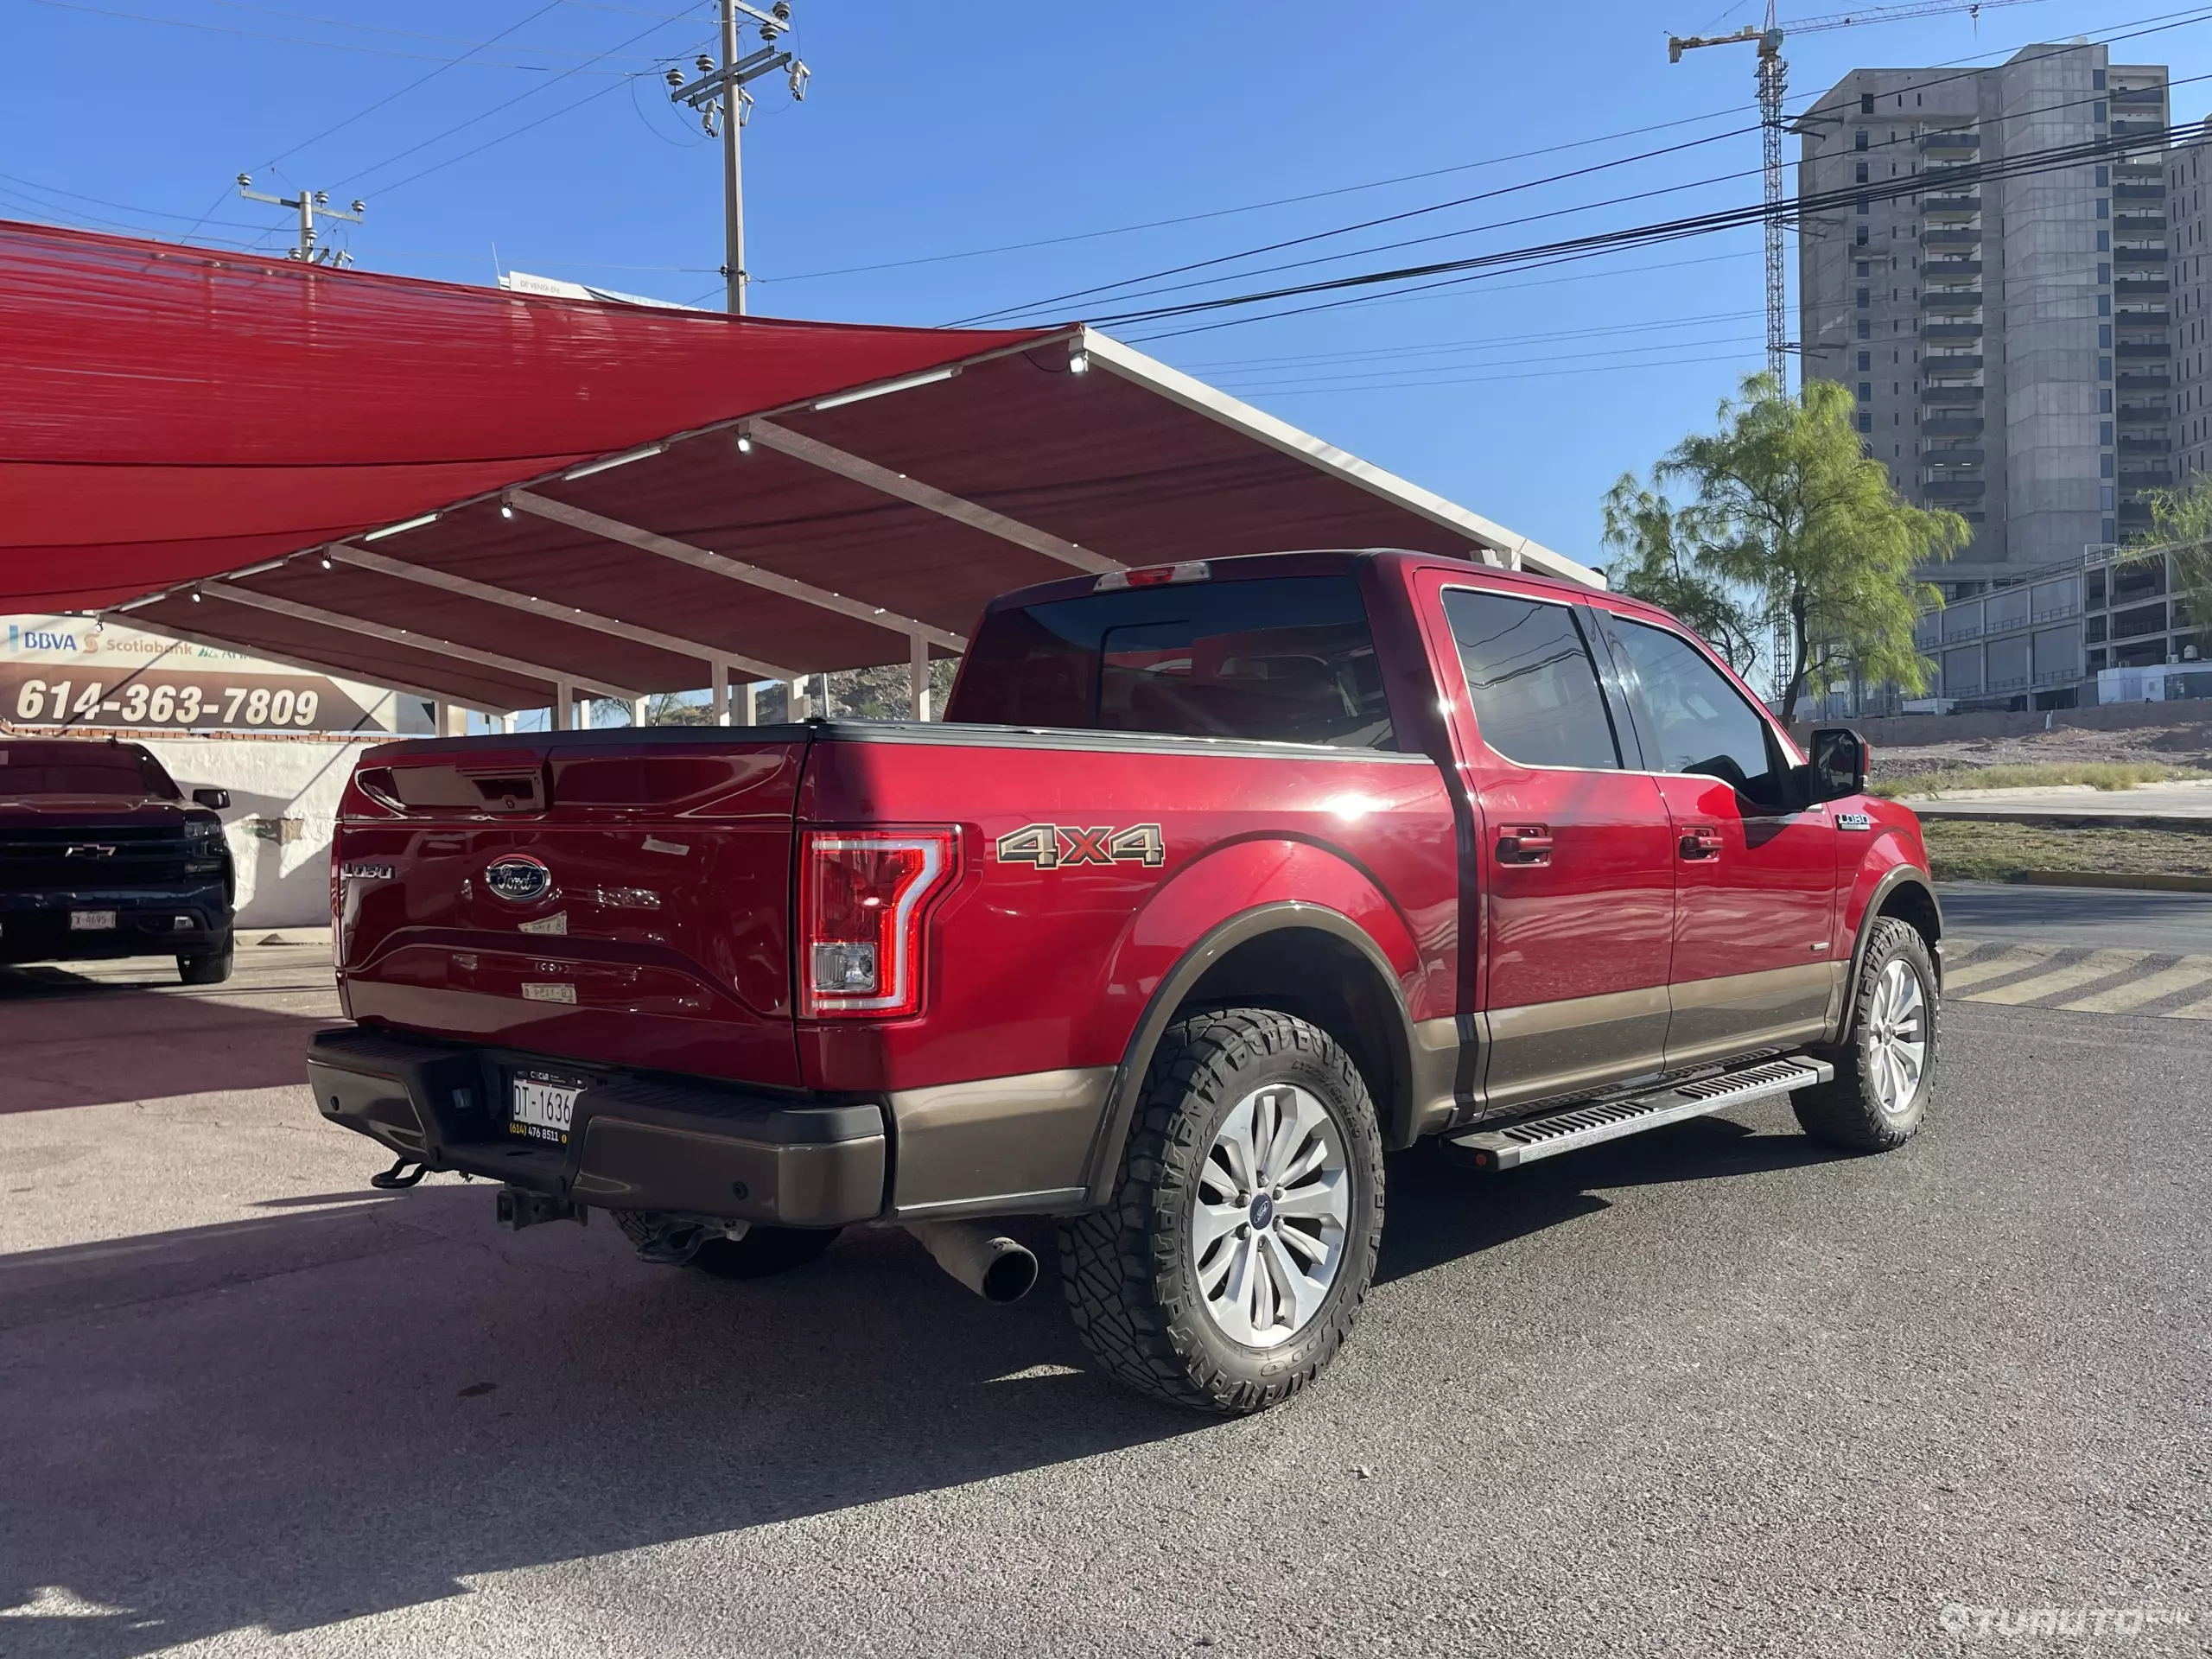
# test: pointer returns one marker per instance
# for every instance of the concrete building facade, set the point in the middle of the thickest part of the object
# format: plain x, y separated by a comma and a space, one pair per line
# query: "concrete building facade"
2007, 340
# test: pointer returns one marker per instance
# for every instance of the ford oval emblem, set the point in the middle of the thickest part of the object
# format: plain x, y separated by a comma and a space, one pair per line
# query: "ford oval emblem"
517, 878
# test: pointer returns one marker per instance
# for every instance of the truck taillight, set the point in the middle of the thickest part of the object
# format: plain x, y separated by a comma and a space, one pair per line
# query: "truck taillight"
863, 895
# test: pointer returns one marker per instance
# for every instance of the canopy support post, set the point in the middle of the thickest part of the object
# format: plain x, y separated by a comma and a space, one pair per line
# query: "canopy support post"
718, 669
918, 670
564, 700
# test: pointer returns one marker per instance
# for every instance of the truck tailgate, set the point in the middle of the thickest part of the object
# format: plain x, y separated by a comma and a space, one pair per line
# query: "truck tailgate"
564, 897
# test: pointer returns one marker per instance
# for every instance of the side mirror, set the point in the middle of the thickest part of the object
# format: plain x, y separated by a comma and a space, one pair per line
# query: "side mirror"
215, 800
1837, 767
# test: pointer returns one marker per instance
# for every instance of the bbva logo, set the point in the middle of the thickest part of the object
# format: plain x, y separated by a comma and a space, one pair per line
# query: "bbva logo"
39, 639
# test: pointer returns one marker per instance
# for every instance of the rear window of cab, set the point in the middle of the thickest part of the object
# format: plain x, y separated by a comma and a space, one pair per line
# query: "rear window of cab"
1287, 659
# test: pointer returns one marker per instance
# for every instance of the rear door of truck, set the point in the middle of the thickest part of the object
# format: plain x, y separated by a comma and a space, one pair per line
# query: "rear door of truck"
621, 897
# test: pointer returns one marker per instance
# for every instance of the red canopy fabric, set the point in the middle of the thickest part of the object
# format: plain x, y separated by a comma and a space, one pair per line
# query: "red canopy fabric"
489, 496
167, 412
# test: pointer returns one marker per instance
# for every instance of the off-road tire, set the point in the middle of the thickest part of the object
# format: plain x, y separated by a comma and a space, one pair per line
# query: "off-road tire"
1127, 1270
211, 968
1848, 1111
761, 1253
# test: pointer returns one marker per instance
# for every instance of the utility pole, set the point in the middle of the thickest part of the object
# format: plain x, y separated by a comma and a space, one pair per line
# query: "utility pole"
719, 96
309, 203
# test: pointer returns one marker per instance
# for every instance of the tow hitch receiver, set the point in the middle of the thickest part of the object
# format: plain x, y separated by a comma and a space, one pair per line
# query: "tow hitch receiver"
519, 1208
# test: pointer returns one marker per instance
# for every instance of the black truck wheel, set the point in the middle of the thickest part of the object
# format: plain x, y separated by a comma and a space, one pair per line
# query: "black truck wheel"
759, 1253
1241, 1238
1885, 1075
210, 969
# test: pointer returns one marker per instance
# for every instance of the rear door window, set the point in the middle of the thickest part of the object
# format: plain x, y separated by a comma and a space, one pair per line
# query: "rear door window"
1532, 681
1286, 659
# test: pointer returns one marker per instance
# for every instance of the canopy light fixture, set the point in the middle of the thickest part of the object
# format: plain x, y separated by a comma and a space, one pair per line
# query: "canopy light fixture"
195, 596
329, 564
622, 459
884, 388
744, 444
404, 524
1078, 362
506, 509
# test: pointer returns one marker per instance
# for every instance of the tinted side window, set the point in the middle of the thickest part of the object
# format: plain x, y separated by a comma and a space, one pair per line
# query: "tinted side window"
1285, 659
1529, 675
1700, 721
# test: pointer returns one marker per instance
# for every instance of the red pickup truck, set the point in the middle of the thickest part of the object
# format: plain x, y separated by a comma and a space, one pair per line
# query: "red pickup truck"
1217, 883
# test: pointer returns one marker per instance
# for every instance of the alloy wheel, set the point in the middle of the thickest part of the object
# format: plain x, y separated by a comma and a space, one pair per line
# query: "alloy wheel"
1273, 1206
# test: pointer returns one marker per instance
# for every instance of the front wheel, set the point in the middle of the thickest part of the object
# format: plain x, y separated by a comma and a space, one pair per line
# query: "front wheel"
1885, 1075
1241, 1238
210, 970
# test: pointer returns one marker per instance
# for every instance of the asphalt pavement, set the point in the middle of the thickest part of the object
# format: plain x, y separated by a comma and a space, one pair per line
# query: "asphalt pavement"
1707, 1390
2097, 917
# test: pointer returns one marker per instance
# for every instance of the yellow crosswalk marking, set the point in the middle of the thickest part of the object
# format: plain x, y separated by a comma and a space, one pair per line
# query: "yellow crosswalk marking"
2134, 992
2192, 1011
2005, 962
2098, 965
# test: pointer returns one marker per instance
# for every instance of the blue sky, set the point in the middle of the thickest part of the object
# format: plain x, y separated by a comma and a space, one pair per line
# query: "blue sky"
940, 130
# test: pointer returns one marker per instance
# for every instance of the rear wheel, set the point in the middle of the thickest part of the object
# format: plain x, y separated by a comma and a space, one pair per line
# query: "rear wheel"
1241, 1239
760, 1252
211, 968
1885, 1075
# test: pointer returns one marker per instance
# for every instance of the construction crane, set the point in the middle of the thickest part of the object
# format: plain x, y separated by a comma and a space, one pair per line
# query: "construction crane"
1774, 80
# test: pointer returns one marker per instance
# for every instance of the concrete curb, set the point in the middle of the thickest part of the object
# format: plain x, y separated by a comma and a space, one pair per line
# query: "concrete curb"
2115, 878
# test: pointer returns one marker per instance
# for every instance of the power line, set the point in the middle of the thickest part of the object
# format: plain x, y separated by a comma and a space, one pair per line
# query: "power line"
282, 40
1249, 206
1496, 224
1370, 223
2160, 22
2025, 165
419, 80
487, 115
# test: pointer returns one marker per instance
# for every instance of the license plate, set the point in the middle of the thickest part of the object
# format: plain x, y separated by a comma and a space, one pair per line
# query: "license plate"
541, 1108
90, 921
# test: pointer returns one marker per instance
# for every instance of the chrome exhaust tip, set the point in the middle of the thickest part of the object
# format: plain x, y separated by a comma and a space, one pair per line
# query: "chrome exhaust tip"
997, 1268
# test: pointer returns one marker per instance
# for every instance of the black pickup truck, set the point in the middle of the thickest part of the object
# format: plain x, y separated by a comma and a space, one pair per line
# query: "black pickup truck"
101, 855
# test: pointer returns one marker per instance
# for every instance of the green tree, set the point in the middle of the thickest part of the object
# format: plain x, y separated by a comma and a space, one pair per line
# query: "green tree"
1791, 507
2180, 523
1660, 560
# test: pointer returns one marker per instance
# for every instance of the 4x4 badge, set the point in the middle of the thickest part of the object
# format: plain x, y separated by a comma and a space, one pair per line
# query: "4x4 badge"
1055, 846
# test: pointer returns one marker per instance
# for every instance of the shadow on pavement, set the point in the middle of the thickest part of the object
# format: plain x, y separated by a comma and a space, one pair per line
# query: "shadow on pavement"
73, 1041
1438, 1211
441, 1400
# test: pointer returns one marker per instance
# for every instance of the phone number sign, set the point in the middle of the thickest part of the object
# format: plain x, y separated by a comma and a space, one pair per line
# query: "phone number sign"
49, 693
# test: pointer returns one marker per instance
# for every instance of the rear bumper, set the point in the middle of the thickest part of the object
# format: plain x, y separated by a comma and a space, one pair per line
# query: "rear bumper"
685, 1148
186, 921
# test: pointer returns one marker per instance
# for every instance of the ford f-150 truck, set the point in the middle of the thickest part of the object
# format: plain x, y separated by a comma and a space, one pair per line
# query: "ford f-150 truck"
102, 856
1217, 883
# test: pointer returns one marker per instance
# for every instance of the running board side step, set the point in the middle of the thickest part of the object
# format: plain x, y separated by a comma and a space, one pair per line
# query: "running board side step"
1552, 1133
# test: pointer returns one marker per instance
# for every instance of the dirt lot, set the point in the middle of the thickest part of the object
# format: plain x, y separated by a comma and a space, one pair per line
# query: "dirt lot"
2185, 742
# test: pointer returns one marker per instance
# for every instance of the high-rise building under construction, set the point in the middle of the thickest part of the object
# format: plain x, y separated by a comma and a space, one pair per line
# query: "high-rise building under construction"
2004, 324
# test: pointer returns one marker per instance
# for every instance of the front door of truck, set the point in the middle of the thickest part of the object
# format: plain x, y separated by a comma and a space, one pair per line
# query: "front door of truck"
1755, 882
1575, 876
